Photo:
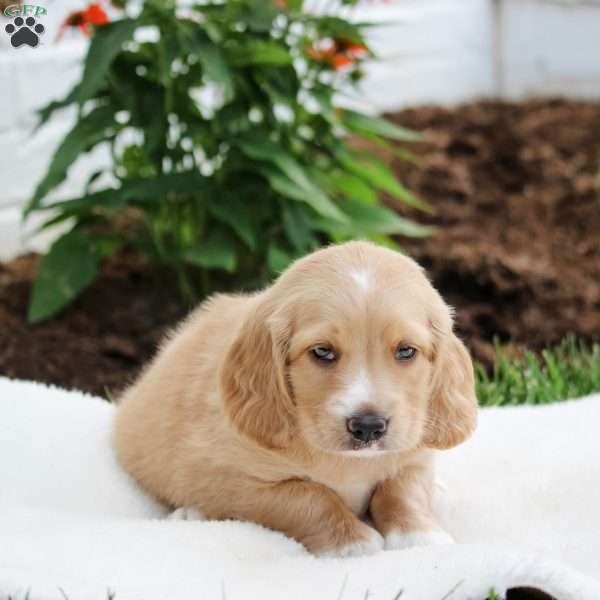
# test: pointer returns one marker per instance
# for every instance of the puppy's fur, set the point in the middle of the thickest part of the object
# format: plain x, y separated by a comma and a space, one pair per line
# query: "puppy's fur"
238, 418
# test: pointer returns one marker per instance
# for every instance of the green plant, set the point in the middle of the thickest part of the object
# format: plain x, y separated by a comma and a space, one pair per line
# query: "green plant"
229, 157
570, 370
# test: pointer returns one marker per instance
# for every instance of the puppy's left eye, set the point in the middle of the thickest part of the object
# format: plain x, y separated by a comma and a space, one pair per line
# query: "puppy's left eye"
405, 352
324, 354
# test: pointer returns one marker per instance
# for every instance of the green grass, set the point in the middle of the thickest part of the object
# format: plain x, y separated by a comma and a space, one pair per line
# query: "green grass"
570, 370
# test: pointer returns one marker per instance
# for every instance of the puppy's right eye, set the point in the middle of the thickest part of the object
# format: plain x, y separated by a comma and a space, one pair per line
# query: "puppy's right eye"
324, 354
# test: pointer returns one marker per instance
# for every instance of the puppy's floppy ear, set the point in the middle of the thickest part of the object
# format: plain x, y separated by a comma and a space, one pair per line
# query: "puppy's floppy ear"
453, 404
255, 389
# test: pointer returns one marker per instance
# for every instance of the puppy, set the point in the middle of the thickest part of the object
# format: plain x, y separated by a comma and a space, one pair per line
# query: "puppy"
312, 407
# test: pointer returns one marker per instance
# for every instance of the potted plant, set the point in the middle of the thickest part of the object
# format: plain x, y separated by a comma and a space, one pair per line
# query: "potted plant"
230, 156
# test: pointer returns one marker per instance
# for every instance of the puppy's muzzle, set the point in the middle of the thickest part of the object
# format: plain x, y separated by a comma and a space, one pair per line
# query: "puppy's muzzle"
367, 428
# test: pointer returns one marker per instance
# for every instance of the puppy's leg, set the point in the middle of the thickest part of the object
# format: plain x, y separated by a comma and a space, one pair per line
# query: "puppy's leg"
401, 510
186, 514
312, 514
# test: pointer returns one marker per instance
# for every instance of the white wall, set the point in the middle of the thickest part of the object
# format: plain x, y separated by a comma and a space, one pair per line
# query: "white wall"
432, 51
29, 78
435, 51
550, 48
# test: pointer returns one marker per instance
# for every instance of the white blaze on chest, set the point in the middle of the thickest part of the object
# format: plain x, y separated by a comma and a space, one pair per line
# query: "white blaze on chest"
356, 494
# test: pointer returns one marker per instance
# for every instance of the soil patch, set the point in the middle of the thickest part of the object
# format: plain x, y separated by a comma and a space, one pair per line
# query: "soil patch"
517, 251
515, 188
100, 343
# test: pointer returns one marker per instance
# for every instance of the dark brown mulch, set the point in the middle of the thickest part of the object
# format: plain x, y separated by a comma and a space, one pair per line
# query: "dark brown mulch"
518, 209
517, 251
99, 343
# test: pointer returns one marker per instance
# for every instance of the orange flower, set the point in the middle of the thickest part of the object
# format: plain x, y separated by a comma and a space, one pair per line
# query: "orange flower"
357, 50
339, 54
322, 55
341, 61
280, 4
94, 15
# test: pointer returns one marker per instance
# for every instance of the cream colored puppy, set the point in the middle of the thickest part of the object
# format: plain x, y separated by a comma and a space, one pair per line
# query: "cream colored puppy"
309, 406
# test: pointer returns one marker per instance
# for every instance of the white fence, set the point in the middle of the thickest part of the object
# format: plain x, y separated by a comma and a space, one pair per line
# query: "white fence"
433, 51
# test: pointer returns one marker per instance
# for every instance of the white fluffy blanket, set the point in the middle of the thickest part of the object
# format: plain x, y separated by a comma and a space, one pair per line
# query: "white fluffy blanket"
522, 498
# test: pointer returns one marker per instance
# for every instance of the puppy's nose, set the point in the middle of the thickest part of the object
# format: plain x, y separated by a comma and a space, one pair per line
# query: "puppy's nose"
367, 428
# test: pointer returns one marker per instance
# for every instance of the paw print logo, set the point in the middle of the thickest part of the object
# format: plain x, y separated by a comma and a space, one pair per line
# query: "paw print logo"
24, 31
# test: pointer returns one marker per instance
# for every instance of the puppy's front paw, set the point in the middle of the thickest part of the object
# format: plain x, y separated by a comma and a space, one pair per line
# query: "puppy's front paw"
399, 540
371, 544
186, 514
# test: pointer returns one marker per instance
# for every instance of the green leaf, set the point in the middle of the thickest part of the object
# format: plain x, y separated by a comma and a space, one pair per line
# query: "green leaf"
258, 16
379, 174
407, 155
333, 230
105, 45
138, 190
70, 266
237, 213
46, 111
350, 186
294, 181
260, 53
281, 85
374, 218
210, 56
359, 122
55, 220
216, 252
260, 147
393, 149
87, 132
107, 199
216, 69
385, 241
108, 245
186, 182
278, 259
297, 226
324, 97
318, 201
338, 28
168, 51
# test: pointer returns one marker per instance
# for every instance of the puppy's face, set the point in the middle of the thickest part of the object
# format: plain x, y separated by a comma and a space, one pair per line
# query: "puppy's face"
360, 366
353, 350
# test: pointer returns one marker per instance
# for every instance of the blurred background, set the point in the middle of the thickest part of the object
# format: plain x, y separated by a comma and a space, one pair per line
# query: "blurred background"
505, 95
